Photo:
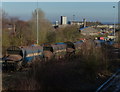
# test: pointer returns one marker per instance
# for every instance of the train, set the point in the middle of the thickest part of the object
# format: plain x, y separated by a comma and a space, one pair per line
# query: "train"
21, 56
18, 56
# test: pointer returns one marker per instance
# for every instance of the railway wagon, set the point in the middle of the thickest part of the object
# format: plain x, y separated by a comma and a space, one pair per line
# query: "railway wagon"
78, 45
70, 49
22, 56
18, 56
59, 50
56, 50
47, 51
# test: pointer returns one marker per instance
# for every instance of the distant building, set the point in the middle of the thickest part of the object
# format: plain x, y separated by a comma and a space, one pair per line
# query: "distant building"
56, 23
63, 20
112, 37
76, 23
107, 26
89, 31
84, 22
10, 27
79, 23
102, 26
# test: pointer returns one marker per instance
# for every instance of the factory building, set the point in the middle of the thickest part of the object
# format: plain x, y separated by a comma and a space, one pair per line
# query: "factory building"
88, 31
56, 23
79, 23
75, 23
84, 22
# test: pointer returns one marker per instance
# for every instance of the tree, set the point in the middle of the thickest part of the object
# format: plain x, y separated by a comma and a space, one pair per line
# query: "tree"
4, 18
51, 37
5, 35
71, 33
44, 26
118, 36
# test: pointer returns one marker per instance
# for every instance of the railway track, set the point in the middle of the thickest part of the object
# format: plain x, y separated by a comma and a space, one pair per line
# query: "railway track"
112, 84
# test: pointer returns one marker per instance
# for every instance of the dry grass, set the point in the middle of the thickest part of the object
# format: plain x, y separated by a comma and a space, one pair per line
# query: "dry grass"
78, 73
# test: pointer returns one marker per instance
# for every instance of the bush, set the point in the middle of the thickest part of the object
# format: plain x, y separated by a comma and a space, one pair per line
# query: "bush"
66, 74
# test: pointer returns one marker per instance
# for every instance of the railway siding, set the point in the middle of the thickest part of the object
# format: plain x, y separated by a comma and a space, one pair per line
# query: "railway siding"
112, 84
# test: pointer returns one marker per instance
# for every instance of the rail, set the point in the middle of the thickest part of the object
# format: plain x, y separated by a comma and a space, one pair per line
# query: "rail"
108, 81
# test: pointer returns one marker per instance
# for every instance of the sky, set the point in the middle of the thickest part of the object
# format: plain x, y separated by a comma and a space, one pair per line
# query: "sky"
61, 0
92, 11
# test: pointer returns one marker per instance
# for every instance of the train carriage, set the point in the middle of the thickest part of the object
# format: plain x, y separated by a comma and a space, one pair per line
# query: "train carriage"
70, 49
78, 45
32, 52
20, 56
59, 50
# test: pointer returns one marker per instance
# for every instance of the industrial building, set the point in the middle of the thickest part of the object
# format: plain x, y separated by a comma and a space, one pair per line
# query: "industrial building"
76, 23
79, 23
63, 20
88, 31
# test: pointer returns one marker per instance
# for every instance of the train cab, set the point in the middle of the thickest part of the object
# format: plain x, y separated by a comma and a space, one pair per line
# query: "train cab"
19, 56
14, 53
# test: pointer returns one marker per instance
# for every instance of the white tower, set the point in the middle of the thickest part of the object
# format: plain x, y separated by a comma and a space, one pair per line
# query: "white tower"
56, 23
84, 22
63, 20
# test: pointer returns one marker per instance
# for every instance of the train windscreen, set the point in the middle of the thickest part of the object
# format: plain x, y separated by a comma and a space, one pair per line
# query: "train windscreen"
14, 51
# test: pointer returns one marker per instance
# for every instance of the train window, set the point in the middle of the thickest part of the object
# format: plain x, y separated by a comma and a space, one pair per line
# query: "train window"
48, 49
14, 50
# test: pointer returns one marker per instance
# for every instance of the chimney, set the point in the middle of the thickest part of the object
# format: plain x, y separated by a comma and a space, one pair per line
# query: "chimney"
84, 22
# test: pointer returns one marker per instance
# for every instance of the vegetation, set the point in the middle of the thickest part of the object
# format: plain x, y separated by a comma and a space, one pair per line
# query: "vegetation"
118, 35
83, 72
44, 26
66, 33
93, 23
18, 32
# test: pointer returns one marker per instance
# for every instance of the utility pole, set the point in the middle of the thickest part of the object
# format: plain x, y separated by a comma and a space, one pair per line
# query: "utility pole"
37, 19
84, 22
114, 23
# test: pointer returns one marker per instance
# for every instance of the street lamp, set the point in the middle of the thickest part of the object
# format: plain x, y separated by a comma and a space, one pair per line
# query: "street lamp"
37, 19
114, 24
37, 27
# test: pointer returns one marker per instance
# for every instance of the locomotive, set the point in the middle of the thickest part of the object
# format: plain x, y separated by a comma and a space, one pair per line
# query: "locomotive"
19, 56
